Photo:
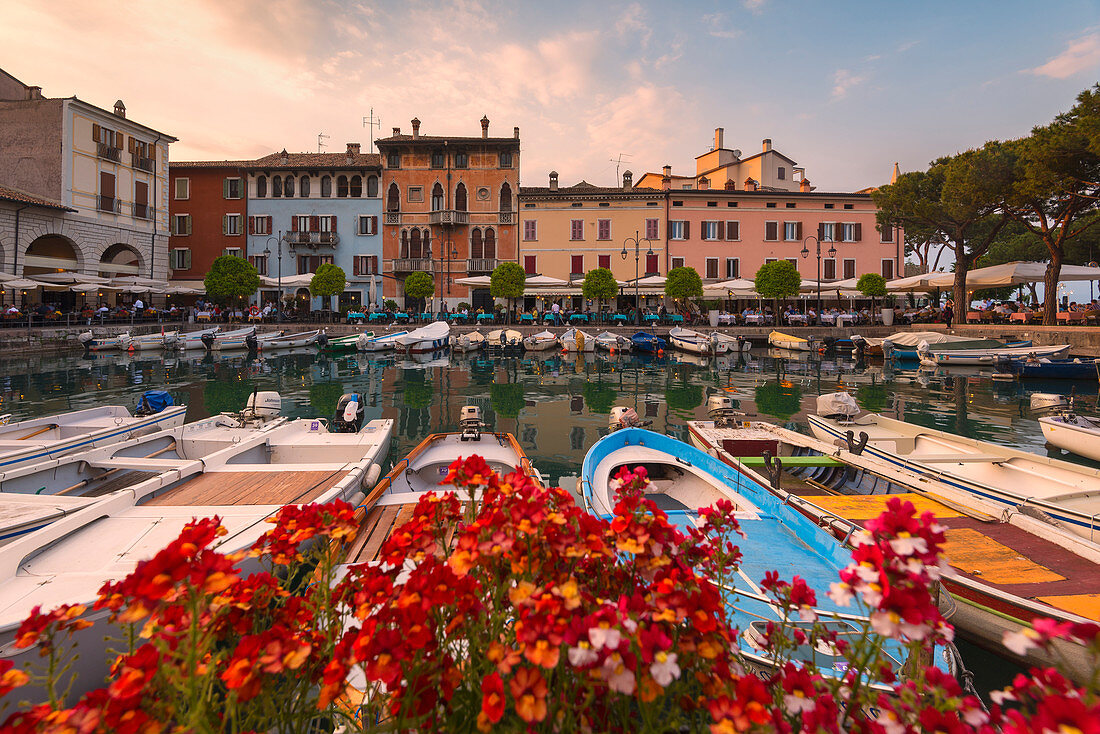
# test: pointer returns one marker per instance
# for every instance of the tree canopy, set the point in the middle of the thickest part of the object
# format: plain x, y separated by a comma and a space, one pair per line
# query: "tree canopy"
683, 282
871, 284
778, 279
600, 283
507, 281
231, 277
328, 281
419, 285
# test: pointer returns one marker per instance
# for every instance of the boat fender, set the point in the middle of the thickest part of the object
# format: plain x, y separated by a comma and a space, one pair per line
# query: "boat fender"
356, 498
774, 465
856, 447
370, 477
1035, 512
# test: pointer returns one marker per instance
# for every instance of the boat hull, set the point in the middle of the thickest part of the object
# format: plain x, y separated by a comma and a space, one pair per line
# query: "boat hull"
1080, 436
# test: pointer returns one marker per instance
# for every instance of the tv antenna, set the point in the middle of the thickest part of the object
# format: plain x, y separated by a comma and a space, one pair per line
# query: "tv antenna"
372, 122
618, 162
320, 141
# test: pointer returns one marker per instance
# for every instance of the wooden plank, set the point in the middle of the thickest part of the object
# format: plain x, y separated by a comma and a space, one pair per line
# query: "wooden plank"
867, 506
1086, 605
789, 461
979, 555
363, 534
248, 488
379, 533
121, 481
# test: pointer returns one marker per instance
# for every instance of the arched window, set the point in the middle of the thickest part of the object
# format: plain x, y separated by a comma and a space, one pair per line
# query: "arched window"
356, 186
404, 243
414, 244
342, 186
460, 198
475, 244
426, 237
276, 186
288, 186
326, 186
490, 243
393, 199
506, 198
303, 187
372, 187
261, 187
437, 198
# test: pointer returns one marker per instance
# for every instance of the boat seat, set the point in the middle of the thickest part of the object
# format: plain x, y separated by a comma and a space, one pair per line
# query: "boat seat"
666, 503
956, 458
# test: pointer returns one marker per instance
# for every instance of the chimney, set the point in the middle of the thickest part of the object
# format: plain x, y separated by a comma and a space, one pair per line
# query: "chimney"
750, 185
628, 180
484, 126
284, 158
704, 183
353, 149
804, 185
397, 131
416, 127
34, 92
767, 144
666, 178
120, 109
718, 137
515, 132
553, 180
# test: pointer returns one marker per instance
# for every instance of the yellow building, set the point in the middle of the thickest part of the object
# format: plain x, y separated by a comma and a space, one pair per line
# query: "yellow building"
567, 231
729, 169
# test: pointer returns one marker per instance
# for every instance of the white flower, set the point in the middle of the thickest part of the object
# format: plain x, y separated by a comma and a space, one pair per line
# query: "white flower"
630, 626
1020, 642
887, 624
889, 722
664, 668
608, 637
975, 717
907, 545
915, 631
1001, 697
807, 614
871, 594
798, 702
862, 537
618, 677
840, 593
867, 572
582, 655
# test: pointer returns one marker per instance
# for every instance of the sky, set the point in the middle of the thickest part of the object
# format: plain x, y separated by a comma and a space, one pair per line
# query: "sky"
844, 88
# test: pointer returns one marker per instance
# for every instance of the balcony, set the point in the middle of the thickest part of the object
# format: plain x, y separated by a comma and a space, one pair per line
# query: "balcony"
412, 264
312, 239
507, 218
144, 164
144, 211
108, 204
449, 217
576, 276
481, 264
108, 152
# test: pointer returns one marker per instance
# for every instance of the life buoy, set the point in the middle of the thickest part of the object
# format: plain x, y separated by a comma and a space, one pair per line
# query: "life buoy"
254, 311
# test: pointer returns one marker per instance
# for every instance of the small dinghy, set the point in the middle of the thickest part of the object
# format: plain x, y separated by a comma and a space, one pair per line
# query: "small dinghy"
380, 343
779, 340
687, 340
1049, 369
947, 355
541, 342
194, 339
227, 340
42, 439
430, 338
683, 480
648, 343
468, 342
93, 343
315, 337
903, 345
614, 342
575, 340
152, 342
1066, 429
504, 339
347, 343
734, 343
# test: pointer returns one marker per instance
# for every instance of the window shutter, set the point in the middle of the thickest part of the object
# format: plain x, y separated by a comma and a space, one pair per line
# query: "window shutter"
225, 188
294, 224
268, 230
151, 149
252, 225
355, 266
132, 141
859, 232
188, 225
771, 230
314, 223
821, 231
186, 259
225, 224
687, 230
373, 264
721, 230
118, 138
798, 230
95, 132
373, 224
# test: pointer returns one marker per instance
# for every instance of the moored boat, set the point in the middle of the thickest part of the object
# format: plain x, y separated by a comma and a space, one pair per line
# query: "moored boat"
951, 354
468, 342
224, 340
504, 339
735, 343
903, 345
541, 341
314, 337
1049, 369
380, 343
151, 342
687, 340
575, 340
648, 343
614, 342
194, 339
346, 343
779, 340
93, 343
429, 338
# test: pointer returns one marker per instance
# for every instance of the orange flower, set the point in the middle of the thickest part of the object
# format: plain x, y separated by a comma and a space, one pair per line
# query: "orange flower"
528, 688
543, 653
492, 697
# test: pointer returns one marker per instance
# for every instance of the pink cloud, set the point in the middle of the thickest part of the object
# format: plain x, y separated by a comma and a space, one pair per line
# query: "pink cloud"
1082, 54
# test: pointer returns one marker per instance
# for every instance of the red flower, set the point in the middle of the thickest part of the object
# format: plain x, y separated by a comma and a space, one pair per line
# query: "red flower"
528, 689
492, 697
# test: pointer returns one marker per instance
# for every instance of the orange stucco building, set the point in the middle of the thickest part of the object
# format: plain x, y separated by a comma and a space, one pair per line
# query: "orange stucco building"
449, 209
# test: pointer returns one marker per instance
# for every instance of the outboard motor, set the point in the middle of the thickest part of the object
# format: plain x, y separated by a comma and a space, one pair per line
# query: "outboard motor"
469, 420
85, 338
860, 345
153, 401
839, 406
251, 341
743, 344
262, 406
887, 349
624, 417
361, 342
208, 340
349, 413
322, 339
1044, 402
720, 410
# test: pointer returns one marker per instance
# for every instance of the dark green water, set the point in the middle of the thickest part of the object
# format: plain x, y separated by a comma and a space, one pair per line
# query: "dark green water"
557, 406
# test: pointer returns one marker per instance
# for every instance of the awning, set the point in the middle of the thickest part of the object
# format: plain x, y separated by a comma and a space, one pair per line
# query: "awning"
23, 284
94, 288
1017, 273
70, 278
538, 281
477, 281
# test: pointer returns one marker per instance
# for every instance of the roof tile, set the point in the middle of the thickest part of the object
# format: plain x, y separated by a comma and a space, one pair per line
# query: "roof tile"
19, 196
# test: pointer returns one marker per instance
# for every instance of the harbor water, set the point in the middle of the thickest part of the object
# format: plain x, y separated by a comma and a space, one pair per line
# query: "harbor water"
556, 405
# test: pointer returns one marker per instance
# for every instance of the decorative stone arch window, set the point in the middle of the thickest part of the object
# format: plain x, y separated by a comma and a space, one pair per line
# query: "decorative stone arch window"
276, 186
356, 187
303, 187
505, 197
404, 243
261, 187
490, 243
393, 198
460, 198
372, 187
288, 186
342, 187
415, 247
326, 186
476, 243
437, 197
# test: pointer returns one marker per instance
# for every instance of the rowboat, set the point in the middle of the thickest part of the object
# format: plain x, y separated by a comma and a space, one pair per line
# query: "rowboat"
468, 342
194, 339
504, 339
1007, 571
230, 339
314, 337
244, 482
780, 340
380, 343
93, 343
683, 480
149, 342
575, 340
430, 338
42, 439
736, 343
347, 343
1077, 434
648, 343
1009, 478
614, 342
1049, 369
687, 340
942, 356
541, 342
903, 344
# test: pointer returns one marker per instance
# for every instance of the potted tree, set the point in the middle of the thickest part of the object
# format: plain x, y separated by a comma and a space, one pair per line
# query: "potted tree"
600, 284
508, 281
874, 285
419, 286
684, 283
777, 279
328, 281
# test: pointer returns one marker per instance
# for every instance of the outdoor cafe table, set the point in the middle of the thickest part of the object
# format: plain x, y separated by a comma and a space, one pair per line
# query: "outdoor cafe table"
754, 318
578, 318
356, 316
650, 318
675, 318
204, 315
402, 317
484, 317
726, 319
376, 316
527, 318
425, 317
620, 318
797, 318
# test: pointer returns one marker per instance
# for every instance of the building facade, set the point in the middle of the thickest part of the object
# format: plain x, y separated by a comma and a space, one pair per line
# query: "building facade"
727, 168
308, 209
107, 172
450, 209
208, 215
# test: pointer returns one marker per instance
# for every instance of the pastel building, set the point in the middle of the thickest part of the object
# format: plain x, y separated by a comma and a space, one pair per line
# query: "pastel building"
450, 209
208, 208
103, 175
308, 209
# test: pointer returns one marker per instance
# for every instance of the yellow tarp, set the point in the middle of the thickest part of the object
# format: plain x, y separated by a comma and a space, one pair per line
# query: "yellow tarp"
866, 506
971, 551
1086, 605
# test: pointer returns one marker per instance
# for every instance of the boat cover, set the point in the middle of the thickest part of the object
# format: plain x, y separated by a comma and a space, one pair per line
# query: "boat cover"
431, 332
837, 403
154, 401
914, 338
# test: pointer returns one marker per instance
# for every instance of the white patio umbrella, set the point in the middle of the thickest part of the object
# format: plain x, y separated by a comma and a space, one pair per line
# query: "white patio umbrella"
538, 281
131, 281
373, 297
94, 287
737, 285
478, 281
181, 290
923, 283
297, 281
69, 277
22, 284
1017, 273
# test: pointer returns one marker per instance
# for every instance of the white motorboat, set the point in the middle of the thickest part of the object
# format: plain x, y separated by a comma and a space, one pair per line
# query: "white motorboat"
93, 343
1010, 478
152, 342
380, 343
614, 342
735, 343
541, 341
292, 341
575, 340
1077, 434
903, 344
468, 342
194, 339
248, 478
430, 338
693, 342
503, 339
945, 356
226, 340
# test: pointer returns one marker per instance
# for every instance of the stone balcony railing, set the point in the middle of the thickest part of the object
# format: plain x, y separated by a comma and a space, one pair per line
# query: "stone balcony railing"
312, 239
412, 264
449, 217
481, 264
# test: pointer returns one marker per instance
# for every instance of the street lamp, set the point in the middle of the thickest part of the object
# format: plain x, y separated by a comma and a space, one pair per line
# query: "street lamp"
267, 253
805, 252
637, 257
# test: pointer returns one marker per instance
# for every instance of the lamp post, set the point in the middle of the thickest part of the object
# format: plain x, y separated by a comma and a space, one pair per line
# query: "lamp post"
805, 252
267, 253
637, 257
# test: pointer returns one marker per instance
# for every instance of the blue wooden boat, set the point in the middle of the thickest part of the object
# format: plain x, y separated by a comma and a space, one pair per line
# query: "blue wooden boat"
1051, 369
684, 479
646, 342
